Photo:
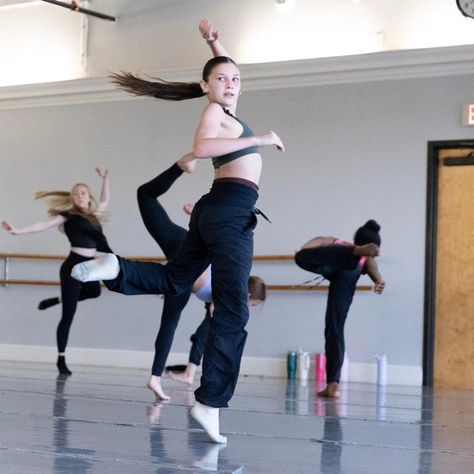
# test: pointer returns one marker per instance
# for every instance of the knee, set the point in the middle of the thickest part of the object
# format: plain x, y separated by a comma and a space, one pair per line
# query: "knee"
141, 193
300, 260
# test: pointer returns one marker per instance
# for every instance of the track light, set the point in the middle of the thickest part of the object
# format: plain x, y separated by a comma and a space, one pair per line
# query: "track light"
466, 7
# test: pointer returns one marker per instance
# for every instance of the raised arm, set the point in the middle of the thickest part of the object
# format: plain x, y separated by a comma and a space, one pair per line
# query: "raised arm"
104, 191
372, 270
212, 38
37, 227
207, 142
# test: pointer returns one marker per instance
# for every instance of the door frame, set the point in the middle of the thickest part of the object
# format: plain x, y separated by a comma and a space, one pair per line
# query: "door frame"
434, 147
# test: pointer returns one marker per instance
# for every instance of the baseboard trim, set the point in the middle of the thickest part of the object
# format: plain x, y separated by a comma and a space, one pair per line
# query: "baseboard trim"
257, 366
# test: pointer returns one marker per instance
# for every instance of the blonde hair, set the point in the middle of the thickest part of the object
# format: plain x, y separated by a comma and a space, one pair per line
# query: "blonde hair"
61, 201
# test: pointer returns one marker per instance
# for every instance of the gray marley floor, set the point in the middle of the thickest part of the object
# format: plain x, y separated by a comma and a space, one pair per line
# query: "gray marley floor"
103, 420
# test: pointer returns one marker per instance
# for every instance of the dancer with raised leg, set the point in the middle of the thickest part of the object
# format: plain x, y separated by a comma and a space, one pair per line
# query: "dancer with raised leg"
342, 263
170, 236
220, 228
79, 215
186, 373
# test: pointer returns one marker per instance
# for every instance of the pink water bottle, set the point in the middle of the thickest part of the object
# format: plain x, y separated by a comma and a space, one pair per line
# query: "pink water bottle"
320, 367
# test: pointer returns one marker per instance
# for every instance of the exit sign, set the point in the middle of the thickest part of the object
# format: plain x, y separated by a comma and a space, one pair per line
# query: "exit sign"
468, 115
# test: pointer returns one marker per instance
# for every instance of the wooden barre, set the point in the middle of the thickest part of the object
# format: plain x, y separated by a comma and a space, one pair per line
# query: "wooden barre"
261, 258
268, 287
25, 256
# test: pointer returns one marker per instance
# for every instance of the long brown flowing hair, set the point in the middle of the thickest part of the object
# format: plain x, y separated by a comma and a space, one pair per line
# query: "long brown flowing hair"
166, 90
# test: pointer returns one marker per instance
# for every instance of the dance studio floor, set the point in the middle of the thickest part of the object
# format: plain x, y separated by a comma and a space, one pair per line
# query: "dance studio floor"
104, 421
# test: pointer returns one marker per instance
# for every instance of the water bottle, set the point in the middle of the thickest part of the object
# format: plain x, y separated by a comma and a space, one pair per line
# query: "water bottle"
320, 367
381, 369
291, 364
303, 365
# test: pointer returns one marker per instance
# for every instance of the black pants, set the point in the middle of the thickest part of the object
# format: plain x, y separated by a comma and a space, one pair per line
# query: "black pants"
72, 291
169, 236
336, 264
221, 233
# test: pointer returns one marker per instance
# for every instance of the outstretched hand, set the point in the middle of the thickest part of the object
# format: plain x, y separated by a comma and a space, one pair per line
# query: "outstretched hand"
379, 287
207, 30
271, 138
8, 227
102, 173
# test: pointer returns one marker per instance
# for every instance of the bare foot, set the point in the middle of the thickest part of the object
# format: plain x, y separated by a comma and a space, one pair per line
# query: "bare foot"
154, 413
331, 391
181, 377
185, 377
154, 384
187, 163
369, 250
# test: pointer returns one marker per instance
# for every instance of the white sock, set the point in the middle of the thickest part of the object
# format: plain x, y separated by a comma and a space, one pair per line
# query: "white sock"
103, 268
210, 460
208, 418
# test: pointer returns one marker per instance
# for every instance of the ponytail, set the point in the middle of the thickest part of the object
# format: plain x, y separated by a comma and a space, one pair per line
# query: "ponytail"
159, 88
165, 90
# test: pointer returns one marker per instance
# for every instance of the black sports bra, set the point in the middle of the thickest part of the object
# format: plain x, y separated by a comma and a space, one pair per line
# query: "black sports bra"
82, 233
218, 161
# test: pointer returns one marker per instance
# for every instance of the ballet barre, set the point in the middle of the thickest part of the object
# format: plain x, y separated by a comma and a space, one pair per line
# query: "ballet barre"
7, 257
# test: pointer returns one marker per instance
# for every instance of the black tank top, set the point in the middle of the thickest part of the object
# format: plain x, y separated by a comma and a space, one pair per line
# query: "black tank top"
218, 161
81, 232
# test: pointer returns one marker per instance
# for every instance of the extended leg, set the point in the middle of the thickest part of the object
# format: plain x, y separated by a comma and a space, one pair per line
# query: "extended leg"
166, 233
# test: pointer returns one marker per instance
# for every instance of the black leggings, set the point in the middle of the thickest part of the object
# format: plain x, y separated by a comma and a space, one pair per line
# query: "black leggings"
169, 237
199, 338
72, 291
336, 264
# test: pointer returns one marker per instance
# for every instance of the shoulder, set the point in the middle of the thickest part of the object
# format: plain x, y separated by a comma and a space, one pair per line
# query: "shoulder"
214, 110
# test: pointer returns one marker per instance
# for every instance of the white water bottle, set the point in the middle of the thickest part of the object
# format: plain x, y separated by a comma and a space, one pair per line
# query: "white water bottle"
381, 369
304, 363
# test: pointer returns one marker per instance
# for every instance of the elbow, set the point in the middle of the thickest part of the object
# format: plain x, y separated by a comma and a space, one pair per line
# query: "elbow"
199, 151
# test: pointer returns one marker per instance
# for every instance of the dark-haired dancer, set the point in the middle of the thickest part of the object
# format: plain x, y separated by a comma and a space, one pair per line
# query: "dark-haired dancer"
79, 214
342, 263
220, 228
170, 236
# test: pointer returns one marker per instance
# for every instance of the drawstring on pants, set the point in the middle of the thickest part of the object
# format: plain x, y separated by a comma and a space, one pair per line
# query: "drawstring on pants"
258, 211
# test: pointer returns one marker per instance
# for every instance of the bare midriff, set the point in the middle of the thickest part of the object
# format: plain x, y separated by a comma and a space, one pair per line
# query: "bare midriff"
247, 167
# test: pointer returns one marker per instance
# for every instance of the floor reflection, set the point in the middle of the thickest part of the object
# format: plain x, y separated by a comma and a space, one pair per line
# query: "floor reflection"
297, 397
426, 431
331, 452
168, 455
68, 459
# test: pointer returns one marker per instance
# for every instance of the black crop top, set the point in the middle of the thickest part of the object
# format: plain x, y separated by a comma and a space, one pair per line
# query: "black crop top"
81, 232
218, 161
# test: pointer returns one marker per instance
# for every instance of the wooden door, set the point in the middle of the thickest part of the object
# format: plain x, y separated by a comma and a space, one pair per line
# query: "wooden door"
454, 280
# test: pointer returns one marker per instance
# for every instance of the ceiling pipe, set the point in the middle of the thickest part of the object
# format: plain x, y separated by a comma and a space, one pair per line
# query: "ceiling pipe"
74, 6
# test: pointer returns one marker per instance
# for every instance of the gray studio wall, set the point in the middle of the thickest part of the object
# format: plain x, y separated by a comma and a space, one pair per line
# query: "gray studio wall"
354, 151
